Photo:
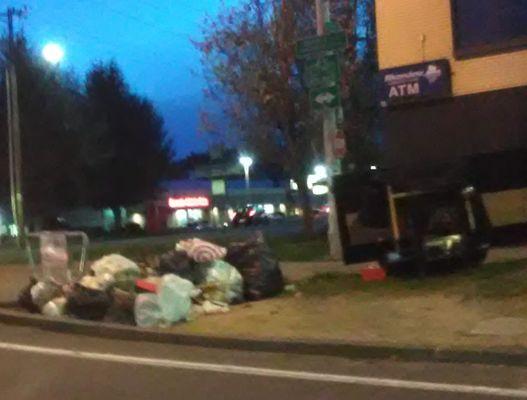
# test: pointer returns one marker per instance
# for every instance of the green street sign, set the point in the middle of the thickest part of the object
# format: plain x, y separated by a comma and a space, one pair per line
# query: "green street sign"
322, 72
325, 97
318, 44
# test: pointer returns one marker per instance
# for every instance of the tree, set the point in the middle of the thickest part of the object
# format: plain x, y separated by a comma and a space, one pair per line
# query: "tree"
51, 127
248, 58
135, 152
248, 55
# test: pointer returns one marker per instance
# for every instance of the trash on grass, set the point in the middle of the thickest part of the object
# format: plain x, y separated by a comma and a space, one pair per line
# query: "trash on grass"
147, 310
122, 309
42, 292
201, 251
149, 284
259, 267
87, 303
180, 264
24, 298
223, 283
174, 297
196, 274
55, 307
101, 282
210, 307
373, 272
124, 271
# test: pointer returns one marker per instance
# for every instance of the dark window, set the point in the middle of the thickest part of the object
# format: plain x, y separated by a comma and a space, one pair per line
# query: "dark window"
489, 26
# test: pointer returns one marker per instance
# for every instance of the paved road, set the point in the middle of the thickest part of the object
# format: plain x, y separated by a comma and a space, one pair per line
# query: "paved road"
41, 365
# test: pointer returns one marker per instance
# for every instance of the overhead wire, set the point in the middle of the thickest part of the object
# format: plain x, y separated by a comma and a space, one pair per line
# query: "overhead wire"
103, 43
141, 20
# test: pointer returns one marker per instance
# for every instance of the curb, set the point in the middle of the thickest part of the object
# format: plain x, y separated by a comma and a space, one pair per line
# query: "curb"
515, 357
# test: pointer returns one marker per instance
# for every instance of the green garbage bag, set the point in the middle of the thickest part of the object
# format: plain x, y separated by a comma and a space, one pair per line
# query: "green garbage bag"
223, 282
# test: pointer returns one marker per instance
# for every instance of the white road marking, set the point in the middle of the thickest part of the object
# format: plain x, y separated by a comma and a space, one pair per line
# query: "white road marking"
270, 373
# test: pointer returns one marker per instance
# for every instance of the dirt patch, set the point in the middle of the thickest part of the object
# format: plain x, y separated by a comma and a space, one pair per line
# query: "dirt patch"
438, 312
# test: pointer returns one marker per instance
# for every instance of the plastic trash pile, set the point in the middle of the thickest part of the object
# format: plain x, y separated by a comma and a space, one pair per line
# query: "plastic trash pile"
196, 278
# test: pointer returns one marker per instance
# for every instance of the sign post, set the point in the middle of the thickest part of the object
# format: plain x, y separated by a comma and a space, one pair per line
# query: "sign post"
322, 78
325, 97
335, 41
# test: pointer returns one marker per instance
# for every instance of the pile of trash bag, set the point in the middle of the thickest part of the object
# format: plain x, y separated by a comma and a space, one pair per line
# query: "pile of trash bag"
196, 278
259, 267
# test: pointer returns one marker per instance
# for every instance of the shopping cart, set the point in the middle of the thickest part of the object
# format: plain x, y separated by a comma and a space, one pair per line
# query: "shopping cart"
56, 249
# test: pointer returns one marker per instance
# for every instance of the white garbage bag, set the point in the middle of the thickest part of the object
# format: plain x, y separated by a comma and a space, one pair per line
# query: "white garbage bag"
100, 282
210, 308
147, 311
43, 292
174, 296
55, 307
123, 270
223, 283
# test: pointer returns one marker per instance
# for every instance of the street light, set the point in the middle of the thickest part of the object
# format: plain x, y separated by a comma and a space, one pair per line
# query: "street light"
321, 171
53, 53
246, 163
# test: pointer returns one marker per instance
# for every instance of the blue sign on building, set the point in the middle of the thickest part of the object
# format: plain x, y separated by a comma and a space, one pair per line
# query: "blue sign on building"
413, 83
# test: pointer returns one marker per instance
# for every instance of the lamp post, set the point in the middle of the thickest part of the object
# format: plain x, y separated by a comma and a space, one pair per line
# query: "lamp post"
53, 53
13, 128
246, 163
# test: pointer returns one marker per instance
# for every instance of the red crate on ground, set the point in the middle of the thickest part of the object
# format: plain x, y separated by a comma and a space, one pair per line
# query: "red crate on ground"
373, 272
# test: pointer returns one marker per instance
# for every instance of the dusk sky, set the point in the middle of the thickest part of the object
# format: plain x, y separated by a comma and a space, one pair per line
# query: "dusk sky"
149, 39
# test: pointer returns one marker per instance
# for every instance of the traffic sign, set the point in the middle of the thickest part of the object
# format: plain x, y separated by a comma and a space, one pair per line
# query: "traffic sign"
318, 44
322, 71
325, 97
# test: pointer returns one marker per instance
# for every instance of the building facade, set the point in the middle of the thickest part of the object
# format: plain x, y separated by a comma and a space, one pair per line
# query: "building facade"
453, 85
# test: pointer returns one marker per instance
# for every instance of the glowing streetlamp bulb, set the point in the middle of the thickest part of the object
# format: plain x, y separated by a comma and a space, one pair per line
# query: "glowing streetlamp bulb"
53, 53
321, 171
246, 161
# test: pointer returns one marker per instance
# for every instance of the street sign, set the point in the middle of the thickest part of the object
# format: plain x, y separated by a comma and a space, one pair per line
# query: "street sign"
319, 44
322, 71
431, 80
325, 97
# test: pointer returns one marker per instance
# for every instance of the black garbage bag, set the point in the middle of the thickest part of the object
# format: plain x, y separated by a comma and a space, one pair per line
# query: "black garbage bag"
180, 264
259, 267
87, 303
24, 298
122, 309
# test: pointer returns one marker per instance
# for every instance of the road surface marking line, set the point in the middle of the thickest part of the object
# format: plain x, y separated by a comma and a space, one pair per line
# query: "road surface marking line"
270, 373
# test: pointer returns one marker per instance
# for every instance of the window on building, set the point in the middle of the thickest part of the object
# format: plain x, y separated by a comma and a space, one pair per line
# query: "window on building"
489, 26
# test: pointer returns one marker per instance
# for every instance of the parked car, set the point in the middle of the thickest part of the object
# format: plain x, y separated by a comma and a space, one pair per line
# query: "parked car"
277, 216
250, 216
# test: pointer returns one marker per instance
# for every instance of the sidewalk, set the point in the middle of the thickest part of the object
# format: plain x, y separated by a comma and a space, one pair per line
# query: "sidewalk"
499, 254
12, 279
481, 309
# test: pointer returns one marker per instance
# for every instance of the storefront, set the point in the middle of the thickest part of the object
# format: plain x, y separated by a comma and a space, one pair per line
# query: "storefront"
454, 94
191, 203
175, 212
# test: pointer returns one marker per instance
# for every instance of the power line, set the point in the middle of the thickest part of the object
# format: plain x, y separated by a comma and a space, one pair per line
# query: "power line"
105, 45
186, 6
141, 20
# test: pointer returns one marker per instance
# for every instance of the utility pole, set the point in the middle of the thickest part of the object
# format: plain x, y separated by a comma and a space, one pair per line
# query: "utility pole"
13, 122
330, 119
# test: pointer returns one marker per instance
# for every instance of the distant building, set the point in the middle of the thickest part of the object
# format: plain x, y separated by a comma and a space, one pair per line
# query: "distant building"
214, 202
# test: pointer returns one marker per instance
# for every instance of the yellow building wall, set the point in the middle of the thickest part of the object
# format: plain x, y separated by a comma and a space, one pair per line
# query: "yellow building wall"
413, 31
507, 207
